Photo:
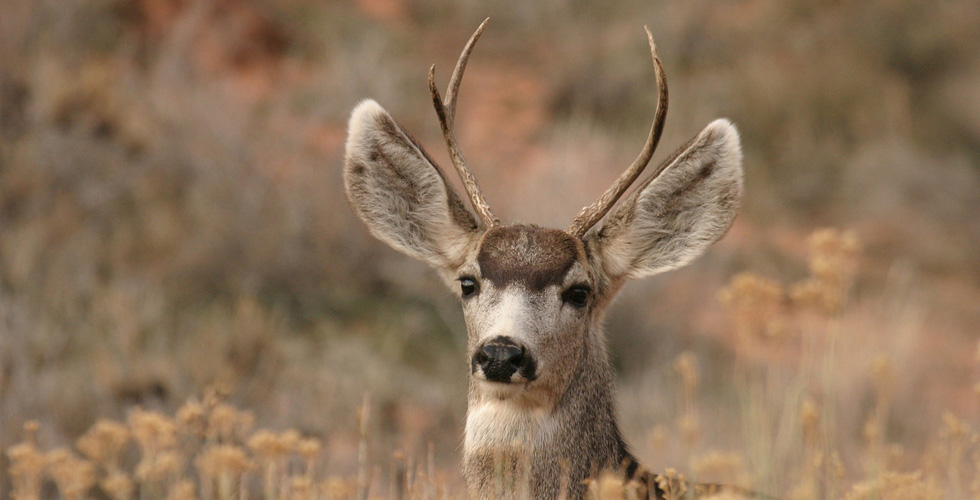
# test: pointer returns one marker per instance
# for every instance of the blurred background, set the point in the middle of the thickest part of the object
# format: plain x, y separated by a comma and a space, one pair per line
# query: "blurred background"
172, 214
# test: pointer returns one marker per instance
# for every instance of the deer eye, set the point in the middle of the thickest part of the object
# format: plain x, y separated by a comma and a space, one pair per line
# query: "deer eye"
468, 286
577, 295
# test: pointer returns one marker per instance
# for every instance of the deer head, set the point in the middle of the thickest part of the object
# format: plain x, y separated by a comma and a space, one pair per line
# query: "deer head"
532, 297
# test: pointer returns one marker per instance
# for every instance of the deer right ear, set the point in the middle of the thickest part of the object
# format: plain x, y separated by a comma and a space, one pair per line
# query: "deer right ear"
400, 194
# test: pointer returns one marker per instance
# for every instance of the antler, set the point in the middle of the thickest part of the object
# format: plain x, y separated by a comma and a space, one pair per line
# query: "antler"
447, 114
591, 214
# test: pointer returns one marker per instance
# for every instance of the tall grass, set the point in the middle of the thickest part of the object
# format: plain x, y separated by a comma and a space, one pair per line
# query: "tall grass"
794, 443
172, 217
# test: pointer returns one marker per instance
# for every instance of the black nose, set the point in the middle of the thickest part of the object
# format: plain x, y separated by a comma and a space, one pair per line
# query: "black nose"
500, 358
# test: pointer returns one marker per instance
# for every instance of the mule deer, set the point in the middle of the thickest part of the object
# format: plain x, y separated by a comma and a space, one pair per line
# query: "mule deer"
540, 385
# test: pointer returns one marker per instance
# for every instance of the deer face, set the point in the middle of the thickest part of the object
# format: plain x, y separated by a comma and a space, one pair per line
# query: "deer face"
526, 298
530, 295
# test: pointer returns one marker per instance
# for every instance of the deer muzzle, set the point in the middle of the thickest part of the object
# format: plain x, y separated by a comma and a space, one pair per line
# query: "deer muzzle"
502, 360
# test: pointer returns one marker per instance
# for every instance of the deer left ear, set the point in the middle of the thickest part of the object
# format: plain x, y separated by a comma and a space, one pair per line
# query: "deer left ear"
673, 217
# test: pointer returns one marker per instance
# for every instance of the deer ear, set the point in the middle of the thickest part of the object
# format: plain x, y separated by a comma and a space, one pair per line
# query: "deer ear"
400, 194
673, 217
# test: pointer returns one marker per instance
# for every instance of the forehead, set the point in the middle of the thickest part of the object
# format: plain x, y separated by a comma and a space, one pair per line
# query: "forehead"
530, 256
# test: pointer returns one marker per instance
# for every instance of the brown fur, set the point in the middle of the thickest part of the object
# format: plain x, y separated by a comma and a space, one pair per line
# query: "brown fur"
527, 255
550, 433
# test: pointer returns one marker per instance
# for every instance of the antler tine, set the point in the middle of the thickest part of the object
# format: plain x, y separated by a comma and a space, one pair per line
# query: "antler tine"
446, 110
453, 89
591, 214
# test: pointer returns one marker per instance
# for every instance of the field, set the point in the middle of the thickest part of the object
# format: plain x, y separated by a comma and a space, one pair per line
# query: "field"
189, 309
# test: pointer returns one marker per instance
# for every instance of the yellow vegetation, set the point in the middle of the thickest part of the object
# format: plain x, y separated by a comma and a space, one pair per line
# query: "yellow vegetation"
209, 451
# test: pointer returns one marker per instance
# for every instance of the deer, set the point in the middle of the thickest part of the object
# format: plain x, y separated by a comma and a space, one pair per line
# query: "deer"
540, 398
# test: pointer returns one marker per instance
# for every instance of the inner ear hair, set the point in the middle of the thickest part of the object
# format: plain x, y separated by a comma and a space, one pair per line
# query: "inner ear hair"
671, 218
399, 192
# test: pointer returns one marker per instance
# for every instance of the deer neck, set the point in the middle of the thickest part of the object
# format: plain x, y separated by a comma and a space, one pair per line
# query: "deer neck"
521, 446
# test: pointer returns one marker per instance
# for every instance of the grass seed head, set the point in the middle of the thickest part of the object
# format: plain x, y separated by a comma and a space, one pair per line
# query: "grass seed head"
895, 486
309, 448
720, 466
301, 488
191, 418
216, 393
755, 305
27, 465
223, 459
270, 446
608, 486
153, 431
160, 466
74, 476
672, 484
226, 423
954, 428
118, 486
833, 264
183, 490
104, 442
290, 440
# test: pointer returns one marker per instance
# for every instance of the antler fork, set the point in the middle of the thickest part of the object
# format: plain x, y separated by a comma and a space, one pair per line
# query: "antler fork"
446, 110
591, 214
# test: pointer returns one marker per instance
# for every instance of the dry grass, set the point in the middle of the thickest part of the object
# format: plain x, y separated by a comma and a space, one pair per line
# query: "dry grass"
210, 450
172, 218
